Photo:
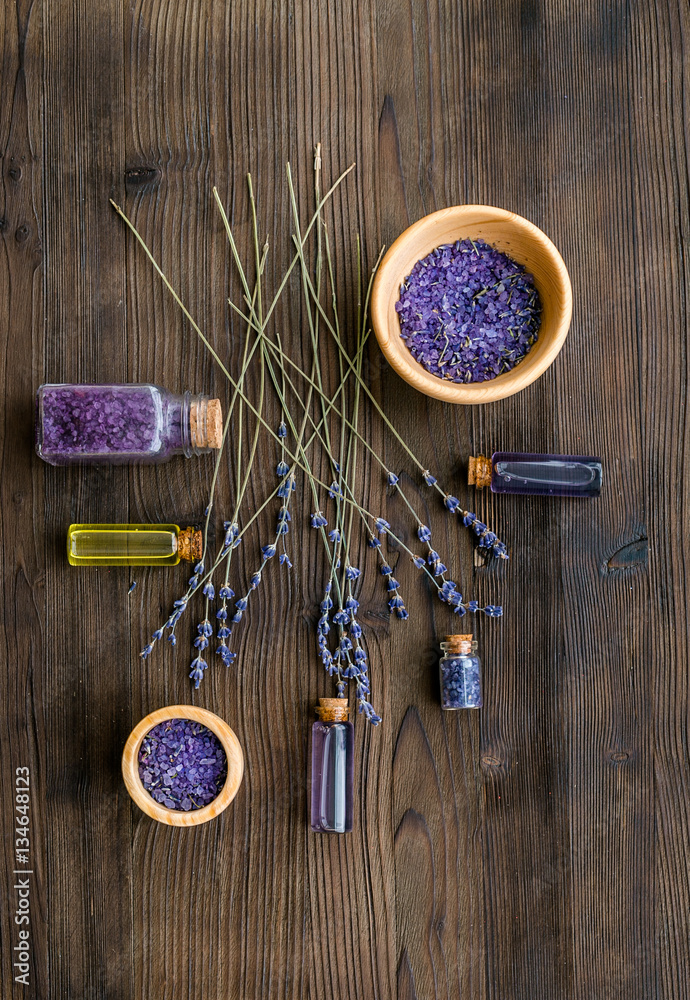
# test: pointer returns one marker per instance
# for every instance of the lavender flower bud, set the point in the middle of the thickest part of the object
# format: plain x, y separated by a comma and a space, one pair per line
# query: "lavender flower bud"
282, 429
172, 639
226, 593
419, 561
428, 478
255, 580
283, 559
386, 569
382, 525
241, 604
268, 551
158, 634
392, 479
282, 468
392, 583
222, 614
424, 533
374, 543
352, 573
451, 502
318, 520
146, 651
334, 535
209, 591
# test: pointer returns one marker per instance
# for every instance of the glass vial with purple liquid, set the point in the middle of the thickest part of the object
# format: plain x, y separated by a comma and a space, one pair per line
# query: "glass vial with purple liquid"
123, 424
537, 475
461, 673
332, 767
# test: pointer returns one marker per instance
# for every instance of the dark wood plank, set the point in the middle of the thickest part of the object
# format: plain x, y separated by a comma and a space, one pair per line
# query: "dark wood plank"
86, 669
22, 643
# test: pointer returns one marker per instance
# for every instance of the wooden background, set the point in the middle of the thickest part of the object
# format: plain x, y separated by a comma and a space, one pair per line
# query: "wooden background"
537, 849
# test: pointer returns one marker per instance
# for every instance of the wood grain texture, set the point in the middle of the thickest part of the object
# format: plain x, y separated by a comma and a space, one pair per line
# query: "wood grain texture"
537, 849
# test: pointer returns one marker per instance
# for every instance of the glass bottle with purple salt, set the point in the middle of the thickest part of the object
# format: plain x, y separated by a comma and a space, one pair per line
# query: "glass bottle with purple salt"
332, 767
461, 673
537, 475
123, 424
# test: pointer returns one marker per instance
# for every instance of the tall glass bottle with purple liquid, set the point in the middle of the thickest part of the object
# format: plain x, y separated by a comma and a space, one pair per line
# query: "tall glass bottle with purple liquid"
332, 767
123, 424
537, 475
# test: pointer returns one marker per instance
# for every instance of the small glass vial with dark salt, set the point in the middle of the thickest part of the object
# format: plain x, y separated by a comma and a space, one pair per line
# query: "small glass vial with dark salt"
461, 673
537, 475
332, 767
123, 424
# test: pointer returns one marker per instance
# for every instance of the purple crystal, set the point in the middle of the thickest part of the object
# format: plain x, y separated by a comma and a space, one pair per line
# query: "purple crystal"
461, 685
107, 423
182, 764
468, 312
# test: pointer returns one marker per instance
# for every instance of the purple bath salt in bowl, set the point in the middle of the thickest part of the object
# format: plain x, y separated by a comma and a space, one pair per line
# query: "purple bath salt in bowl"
182, 764
468, 312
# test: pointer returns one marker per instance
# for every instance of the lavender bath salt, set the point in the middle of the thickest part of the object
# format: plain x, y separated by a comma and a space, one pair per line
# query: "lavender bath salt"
468, 312
182, 764
118, 424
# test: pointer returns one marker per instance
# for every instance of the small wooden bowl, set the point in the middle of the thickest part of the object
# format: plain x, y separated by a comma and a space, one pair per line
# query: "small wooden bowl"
509, 233
175, 817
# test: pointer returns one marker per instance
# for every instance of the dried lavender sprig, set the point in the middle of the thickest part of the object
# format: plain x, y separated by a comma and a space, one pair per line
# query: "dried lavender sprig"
500, 551
494, 547
252, 320
201, 577
280, 388
214, 354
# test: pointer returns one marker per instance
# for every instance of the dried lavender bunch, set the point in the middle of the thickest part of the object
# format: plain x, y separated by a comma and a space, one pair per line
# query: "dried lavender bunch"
335, 428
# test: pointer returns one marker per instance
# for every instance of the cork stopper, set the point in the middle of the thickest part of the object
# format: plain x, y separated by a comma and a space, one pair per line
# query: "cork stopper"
459, 643
190, 544
479, 471
332, 709
206, 423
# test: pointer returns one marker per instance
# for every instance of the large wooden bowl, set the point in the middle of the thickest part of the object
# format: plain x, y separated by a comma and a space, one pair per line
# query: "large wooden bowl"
175, 817
507, 232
